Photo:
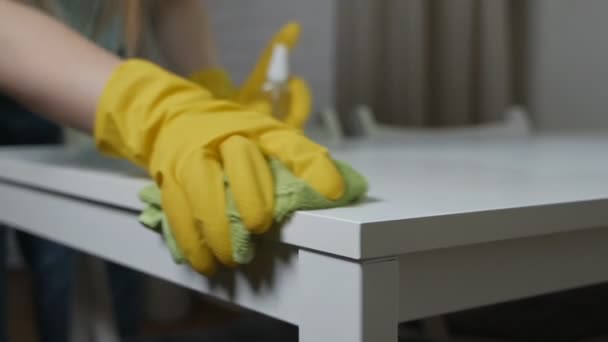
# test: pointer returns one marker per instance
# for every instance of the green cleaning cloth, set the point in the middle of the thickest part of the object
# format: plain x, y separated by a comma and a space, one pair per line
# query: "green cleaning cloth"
291, 194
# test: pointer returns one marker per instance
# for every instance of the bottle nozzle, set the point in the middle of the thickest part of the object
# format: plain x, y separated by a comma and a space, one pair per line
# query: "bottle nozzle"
278, 69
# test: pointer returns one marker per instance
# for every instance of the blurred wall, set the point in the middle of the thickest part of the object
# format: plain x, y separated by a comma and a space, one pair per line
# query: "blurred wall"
243, 27
568, 63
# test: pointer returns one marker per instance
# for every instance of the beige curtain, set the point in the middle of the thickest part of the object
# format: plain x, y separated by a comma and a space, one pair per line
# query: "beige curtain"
428, 62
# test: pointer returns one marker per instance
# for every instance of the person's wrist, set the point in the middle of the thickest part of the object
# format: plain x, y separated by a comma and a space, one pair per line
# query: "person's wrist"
134, 103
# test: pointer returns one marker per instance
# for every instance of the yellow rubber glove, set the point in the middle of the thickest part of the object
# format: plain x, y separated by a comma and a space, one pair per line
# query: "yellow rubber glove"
217, 81
189, 141
250, 95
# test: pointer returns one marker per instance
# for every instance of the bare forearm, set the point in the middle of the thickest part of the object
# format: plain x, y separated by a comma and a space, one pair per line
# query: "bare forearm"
185, 37
50, 68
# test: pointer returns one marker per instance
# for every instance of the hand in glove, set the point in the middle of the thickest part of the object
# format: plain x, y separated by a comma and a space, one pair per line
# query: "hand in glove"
189, 141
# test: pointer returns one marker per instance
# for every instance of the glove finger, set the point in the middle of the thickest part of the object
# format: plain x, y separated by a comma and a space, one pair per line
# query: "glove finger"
300, 103
250, 181
188, 237
287, 35
169, 238
205, 191
307, 160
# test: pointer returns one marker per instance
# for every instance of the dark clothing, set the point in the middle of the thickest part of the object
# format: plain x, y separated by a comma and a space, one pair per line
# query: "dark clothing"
52, 264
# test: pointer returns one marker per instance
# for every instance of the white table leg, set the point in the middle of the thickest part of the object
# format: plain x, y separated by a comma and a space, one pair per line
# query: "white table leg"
347, 301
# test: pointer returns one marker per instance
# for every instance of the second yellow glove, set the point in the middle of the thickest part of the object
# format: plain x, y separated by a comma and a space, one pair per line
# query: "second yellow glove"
251, 94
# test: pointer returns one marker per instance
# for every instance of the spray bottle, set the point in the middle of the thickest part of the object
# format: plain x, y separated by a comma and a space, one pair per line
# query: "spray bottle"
276, 81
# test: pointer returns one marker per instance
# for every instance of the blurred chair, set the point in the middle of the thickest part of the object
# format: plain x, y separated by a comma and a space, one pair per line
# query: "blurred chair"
515, 123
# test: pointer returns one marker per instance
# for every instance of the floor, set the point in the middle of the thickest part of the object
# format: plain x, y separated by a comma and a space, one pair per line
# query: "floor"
208, 321
536, 318
20, 324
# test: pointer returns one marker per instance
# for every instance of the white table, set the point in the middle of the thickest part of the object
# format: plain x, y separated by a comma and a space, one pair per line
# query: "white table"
450, 224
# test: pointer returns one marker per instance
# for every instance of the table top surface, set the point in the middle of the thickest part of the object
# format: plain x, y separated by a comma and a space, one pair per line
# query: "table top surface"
428, 192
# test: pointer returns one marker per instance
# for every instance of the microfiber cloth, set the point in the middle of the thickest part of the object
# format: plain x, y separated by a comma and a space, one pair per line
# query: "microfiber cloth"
291, 194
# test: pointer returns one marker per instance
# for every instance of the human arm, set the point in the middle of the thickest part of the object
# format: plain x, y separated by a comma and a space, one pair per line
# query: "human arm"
49, 68
185, 36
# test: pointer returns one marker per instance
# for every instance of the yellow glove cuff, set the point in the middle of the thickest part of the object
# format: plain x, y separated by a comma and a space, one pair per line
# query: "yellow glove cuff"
132, 104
